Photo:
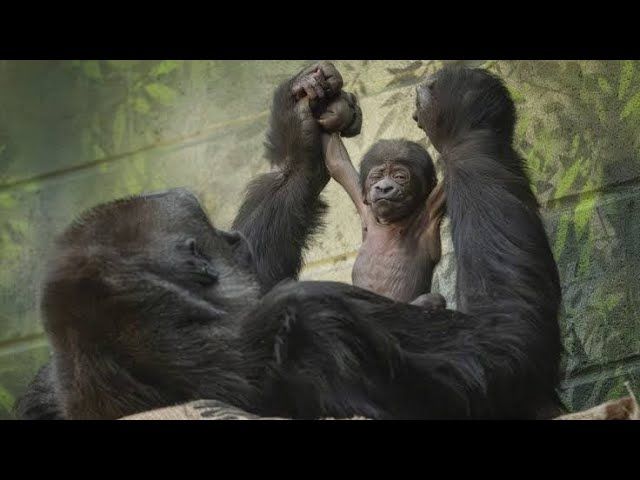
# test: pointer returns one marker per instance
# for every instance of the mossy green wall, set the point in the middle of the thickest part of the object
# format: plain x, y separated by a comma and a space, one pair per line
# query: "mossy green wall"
74, 134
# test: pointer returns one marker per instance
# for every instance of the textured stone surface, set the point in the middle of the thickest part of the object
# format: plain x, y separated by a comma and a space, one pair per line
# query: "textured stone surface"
74, 134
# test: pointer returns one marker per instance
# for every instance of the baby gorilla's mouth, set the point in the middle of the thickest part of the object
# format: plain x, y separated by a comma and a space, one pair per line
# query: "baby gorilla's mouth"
387, 200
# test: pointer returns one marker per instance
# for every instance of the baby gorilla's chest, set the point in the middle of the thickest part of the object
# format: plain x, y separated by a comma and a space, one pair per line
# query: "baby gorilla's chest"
396, 268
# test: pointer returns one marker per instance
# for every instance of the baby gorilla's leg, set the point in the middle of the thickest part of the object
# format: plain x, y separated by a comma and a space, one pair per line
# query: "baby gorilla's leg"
431, 301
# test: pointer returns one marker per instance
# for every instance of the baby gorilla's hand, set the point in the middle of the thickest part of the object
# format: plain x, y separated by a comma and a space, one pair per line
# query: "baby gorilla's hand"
342, 114
430, 301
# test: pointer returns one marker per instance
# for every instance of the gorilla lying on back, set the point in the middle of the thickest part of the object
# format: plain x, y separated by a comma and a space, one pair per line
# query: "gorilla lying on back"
147, 304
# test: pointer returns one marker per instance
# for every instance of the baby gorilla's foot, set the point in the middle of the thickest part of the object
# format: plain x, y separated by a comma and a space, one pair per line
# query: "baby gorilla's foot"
321, 80
342, 114
431, 301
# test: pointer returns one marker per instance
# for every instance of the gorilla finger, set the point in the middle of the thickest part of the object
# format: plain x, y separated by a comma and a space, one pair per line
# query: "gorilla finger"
330, 123
343, 110
309, 89
319, 90
332, 77
297, 91
356, 125
317, 83
303, 108
327, 88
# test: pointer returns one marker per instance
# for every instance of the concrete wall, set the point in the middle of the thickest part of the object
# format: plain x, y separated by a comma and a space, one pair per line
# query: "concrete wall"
74, 134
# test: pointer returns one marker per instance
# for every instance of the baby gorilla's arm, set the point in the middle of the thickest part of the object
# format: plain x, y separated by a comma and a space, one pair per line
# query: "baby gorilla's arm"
342, 117
435, 212
342, 170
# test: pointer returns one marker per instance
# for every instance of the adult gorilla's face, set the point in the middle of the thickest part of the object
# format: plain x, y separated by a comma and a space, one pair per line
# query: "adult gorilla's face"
426, 114
148, 259
456, 100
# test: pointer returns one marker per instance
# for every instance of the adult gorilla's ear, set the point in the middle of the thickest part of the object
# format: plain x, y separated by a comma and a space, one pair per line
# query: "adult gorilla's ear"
240, 248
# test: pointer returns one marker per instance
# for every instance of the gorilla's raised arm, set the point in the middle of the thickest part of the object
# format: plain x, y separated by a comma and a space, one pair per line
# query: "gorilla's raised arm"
282, 208
506, 278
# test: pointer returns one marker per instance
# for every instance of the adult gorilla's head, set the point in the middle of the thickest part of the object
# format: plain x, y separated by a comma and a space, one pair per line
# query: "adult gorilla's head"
138, 300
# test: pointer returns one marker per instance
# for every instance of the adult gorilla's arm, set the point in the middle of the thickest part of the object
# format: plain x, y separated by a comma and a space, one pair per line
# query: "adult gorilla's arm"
282, 208
39, 401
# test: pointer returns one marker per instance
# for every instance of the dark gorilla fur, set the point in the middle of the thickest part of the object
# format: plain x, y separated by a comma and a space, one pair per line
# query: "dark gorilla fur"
507, 277
147, 304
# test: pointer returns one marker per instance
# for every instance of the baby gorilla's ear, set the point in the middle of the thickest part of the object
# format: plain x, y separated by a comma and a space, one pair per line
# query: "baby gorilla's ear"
342, 114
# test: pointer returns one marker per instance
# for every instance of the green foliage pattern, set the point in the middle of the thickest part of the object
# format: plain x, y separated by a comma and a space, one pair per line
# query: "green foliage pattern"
578, 131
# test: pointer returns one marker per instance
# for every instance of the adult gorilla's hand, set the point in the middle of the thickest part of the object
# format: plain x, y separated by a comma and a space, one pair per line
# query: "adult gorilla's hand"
321, 80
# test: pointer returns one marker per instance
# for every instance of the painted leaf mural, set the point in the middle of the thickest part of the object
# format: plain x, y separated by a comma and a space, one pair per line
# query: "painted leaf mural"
77, 133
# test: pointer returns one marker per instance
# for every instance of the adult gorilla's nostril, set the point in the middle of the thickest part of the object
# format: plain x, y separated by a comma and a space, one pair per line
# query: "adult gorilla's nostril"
210, 273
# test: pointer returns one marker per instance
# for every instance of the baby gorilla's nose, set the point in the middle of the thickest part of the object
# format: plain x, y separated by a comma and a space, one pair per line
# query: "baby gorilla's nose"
384, 188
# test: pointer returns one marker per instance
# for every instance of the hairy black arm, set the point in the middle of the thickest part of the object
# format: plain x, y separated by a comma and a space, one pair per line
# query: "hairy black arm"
282, 208
40, 402
507, 278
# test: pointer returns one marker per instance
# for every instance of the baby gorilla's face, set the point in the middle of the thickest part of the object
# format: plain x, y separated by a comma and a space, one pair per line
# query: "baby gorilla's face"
391, 191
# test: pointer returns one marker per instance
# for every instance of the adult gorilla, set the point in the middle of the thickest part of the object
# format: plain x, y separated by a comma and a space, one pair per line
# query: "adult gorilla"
147, 304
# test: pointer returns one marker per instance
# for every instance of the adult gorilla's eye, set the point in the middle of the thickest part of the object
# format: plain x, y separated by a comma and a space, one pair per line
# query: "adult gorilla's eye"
196, 267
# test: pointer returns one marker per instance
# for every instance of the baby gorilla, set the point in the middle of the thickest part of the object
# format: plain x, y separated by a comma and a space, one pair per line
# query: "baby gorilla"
400, 207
